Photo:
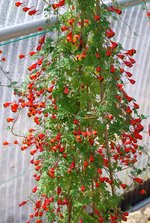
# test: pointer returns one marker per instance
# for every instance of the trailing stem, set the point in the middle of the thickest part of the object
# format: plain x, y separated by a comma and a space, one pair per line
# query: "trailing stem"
109, 160
99, 27
69, 210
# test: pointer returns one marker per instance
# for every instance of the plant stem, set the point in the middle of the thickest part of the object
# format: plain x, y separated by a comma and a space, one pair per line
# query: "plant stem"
13, 126
5, 73
78, 216
69, 211
47, 2
109, 160
99, 27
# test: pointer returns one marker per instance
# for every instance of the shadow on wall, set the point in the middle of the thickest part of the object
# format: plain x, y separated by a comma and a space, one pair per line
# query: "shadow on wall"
134, 197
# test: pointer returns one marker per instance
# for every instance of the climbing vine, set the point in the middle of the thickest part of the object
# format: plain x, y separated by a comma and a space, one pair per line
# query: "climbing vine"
86, 127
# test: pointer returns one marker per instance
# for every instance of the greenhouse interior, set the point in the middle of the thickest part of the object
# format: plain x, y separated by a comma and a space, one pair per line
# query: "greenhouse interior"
75, 111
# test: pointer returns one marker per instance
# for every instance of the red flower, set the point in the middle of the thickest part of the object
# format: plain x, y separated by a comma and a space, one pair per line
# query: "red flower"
98, 55
71, 21
110, 33
138, 180
82, 188
137, 135
21, 56
101, 179
132, 60
59, 190
120, 56
39, 47
101, 220
129, 99
128, 74
108, 53
97, 184
123, 218
142, 192
6, 104
125, 214
96, 17
10, 119
61, 3
123, 186
40, 61
98, 69
91, 158
85, 164
33, 151
15, 142
113, 217
37, 178
50, 200
14, 107
32, 53
128, 110
91, 141
131, 52
128, 64
5, 143
113, 9
69, 37
66, 90
120, 86
51, 172
110, 116
32, 12
50, 89
32, 67
148, 14
17, 4
64, 28
3, 59
38, 204
99, 171
72, 165
42, 40
55, 6
41, 135
114, 45
118, 11
112, 69
100, 78
76, 122
40, 28
136, 106
22, 203
23, 148
132, 81
38, 221
25, 9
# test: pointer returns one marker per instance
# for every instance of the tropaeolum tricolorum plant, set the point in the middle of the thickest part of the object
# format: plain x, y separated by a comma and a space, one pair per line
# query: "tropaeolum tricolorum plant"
86, 127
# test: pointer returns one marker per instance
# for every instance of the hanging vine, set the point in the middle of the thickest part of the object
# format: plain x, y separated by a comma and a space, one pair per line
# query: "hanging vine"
86, 126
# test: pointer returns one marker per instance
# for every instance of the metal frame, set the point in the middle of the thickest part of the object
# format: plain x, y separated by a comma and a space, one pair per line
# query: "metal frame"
32, 27
25, 28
